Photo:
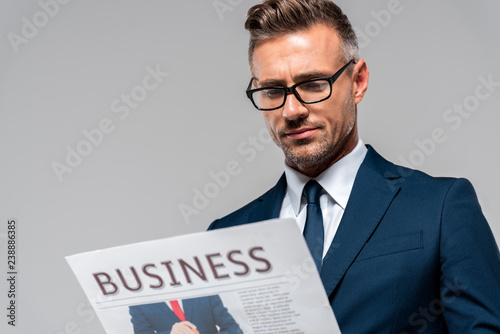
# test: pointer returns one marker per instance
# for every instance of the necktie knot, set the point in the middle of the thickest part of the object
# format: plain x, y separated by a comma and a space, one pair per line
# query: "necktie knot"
312, 191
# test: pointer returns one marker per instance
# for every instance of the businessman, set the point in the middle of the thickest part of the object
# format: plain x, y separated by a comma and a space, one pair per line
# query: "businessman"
398, 251
202, 315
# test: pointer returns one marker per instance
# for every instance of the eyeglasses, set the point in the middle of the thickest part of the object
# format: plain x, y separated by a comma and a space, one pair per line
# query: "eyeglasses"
308, 91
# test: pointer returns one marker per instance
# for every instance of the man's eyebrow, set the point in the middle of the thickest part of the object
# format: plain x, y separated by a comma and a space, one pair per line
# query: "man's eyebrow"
310, 75
270, 83
298, 78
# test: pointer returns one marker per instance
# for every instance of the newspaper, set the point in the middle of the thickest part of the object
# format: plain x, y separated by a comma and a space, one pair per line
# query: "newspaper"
257, 278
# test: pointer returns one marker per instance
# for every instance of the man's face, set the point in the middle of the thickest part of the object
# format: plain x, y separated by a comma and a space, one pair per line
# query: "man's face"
312, 136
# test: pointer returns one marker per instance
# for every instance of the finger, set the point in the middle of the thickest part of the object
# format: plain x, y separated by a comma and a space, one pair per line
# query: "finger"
189, 324
180, 328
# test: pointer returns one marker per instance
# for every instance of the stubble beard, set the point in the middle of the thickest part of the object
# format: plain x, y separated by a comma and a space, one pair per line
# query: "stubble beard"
313, 152
308, 152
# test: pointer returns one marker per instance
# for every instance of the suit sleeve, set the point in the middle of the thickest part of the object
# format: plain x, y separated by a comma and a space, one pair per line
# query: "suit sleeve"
141, 323
470, 264
223, 319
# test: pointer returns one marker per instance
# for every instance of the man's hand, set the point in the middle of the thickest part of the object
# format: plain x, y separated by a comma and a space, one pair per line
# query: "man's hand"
184, 327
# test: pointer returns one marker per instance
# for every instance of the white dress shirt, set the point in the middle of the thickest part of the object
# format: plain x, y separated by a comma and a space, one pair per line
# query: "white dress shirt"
337, 182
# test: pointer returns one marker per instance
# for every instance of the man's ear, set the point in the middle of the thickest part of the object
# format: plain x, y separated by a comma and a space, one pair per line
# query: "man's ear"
360, 80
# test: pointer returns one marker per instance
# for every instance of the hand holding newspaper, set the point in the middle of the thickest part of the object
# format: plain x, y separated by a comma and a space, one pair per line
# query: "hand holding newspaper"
257, 278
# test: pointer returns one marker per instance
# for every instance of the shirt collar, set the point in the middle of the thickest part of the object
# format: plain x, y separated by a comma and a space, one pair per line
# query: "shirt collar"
337, 180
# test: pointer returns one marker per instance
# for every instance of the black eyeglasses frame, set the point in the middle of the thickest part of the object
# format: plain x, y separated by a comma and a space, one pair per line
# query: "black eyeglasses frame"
293, 90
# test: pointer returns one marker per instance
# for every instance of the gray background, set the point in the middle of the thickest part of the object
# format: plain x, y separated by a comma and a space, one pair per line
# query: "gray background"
62, 81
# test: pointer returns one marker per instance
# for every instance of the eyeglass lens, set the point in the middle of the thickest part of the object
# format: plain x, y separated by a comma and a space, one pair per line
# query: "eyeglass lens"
308, 91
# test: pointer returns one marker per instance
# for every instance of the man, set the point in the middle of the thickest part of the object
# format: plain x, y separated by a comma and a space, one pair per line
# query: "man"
398, 251
189, 316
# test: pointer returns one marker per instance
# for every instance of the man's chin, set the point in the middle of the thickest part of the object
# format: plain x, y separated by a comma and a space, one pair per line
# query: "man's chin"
306, 159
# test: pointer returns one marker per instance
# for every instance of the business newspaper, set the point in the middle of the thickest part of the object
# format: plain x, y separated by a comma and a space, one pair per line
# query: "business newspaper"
258, 278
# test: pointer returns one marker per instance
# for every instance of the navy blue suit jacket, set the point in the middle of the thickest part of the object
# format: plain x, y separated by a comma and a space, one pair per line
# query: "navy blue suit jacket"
203, 312
412, 254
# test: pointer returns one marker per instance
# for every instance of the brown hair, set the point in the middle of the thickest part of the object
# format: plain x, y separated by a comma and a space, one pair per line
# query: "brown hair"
274, 18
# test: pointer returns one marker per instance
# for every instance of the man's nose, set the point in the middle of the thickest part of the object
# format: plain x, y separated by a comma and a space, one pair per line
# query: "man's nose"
294, 109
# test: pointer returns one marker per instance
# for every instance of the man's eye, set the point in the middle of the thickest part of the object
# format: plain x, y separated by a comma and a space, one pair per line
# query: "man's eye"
315, 86
273, 93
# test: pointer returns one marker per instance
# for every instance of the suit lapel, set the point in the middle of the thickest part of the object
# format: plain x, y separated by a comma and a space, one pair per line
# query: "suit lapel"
164, 312
372, 193
270, 202
187, 305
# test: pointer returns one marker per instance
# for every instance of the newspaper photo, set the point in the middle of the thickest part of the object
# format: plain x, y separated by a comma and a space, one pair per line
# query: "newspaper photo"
257, 278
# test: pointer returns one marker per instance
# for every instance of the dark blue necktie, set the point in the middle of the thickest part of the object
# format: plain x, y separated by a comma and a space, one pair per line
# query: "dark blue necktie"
313, 230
